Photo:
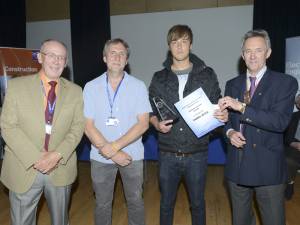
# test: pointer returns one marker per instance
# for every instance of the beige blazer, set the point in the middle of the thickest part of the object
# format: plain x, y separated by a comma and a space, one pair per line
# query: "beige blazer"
23, 129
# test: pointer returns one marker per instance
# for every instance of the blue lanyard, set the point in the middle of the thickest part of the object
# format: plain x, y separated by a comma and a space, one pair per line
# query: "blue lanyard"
51, 108
111, 101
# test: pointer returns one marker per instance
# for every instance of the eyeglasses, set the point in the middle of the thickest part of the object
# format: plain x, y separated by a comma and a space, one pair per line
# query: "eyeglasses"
53, 56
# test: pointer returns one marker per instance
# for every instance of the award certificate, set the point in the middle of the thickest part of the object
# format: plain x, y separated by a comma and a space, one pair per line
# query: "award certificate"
197, 111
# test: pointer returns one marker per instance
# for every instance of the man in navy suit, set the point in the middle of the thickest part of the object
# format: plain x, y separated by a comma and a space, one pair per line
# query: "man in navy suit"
261, 105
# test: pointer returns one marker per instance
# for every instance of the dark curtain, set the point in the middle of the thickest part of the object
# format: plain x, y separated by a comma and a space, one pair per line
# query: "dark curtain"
12, 23
281, 20
90, 28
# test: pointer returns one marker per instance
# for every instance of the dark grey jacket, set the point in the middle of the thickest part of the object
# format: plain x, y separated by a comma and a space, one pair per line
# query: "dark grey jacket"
165, 84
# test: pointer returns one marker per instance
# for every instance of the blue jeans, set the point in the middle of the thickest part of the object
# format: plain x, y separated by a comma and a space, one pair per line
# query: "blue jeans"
193, 169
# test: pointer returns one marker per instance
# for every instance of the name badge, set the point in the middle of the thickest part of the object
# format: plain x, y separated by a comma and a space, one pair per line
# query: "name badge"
48, 128
112, 121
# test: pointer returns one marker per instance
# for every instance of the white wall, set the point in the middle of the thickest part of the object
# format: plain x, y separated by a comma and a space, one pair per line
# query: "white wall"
217, 38
37, 32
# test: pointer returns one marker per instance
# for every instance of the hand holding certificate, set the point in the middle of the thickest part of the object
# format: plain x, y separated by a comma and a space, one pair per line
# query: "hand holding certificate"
197, 111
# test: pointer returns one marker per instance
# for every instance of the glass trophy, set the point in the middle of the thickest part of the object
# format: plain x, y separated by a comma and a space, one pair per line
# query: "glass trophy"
165, 112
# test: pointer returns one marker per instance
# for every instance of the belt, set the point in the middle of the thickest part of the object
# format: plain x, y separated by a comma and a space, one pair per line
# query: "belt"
179, 154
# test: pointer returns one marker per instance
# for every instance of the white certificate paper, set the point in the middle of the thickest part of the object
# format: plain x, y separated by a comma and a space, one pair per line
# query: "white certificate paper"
197, 111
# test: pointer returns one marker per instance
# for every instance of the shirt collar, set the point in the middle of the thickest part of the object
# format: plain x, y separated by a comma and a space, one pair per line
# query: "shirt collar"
124, 73
45, 79
259, 75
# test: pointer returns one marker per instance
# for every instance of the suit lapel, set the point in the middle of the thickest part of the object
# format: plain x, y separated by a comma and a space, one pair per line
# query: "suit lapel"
61, 95
243, 88
37, 97
240, 88
262, 87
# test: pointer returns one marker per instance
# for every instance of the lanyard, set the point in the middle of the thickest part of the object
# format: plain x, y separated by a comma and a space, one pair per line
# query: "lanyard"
51, 107
111, 101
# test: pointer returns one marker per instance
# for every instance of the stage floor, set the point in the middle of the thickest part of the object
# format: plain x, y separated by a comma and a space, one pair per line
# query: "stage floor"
81, 209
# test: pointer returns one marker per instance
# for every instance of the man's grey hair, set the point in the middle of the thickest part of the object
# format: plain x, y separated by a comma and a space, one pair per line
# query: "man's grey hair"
257, 33
52, 40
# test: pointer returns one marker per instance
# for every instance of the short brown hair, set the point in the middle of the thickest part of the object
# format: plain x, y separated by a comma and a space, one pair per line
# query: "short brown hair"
179, 31
116, 41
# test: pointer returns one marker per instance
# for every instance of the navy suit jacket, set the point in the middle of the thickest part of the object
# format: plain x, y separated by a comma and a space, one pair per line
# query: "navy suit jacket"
261, 161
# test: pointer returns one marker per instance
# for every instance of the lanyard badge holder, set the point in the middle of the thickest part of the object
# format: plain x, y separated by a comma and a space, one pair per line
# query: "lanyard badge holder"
112, 121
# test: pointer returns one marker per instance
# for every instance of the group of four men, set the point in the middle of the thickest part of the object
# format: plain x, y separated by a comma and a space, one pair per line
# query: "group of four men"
43, 119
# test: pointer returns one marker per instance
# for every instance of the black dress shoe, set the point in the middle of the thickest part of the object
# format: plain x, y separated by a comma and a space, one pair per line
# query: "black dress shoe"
289, 191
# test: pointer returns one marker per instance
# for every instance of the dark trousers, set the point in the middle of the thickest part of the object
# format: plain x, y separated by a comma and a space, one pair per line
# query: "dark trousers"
293, 162
193, 169
270, 201
104, 176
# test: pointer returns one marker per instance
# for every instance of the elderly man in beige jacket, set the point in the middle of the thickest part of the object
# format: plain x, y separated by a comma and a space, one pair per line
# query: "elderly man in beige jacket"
42, 123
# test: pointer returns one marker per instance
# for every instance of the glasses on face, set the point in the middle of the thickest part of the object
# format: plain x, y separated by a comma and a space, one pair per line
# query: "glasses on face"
257, 51
53, 56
